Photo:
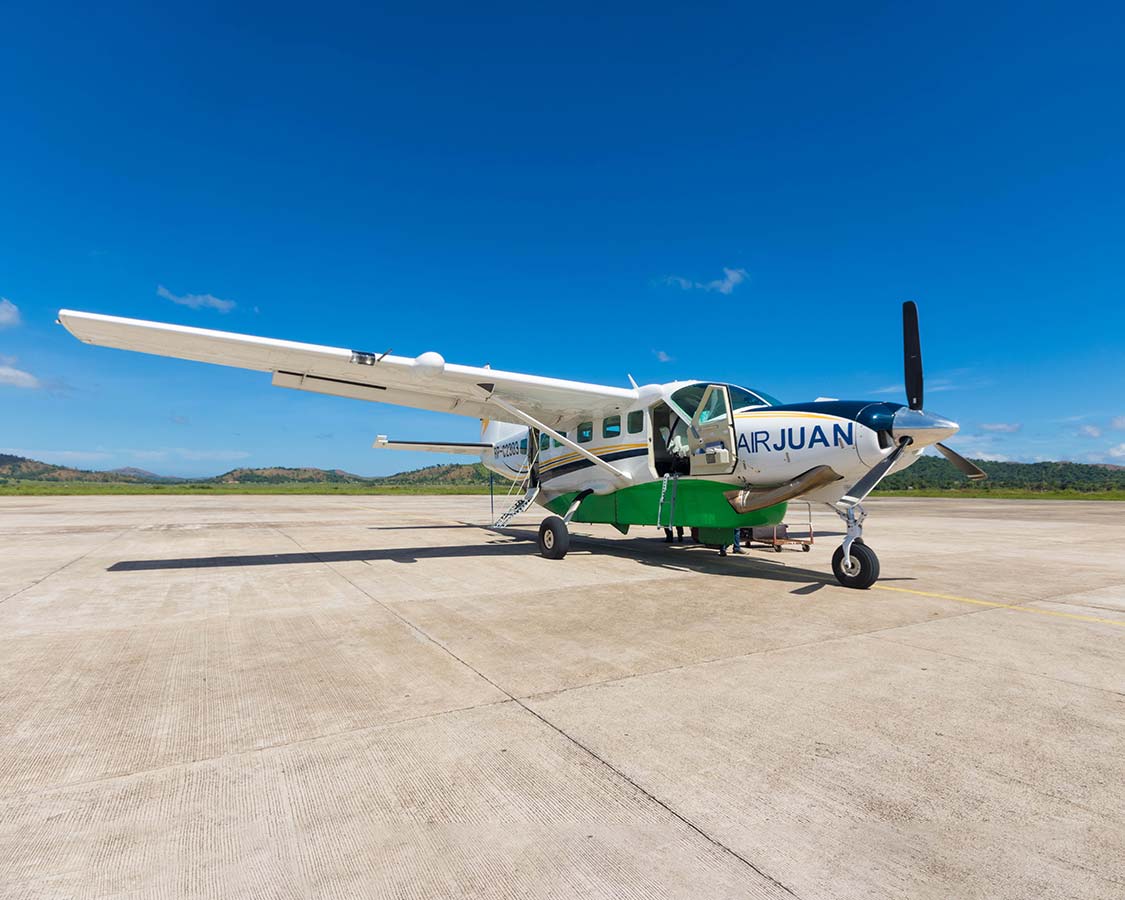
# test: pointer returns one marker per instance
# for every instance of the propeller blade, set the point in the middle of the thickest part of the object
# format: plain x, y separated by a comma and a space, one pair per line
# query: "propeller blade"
912, 355
867, 483
967, 468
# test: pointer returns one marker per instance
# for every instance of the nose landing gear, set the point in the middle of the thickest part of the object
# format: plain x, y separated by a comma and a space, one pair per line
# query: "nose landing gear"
854, 564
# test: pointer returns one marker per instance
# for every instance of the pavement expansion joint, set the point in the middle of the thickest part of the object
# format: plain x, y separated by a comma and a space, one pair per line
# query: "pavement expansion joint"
569, 737
250, 751
65, 565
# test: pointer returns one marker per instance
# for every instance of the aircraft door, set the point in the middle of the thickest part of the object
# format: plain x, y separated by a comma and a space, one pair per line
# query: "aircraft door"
717, 450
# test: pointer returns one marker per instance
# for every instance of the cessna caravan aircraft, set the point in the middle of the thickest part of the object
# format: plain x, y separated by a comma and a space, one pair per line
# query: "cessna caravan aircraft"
705, 455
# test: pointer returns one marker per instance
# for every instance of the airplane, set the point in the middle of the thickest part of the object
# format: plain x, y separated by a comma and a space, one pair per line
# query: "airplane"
710, 456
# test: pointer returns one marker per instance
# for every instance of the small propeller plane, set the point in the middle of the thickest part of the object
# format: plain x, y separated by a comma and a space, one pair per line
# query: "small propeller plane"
706, 455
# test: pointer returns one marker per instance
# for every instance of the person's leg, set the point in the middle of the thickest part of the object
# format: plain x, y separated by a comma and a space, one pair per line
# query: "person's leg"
680, 533
667, 535
737, 545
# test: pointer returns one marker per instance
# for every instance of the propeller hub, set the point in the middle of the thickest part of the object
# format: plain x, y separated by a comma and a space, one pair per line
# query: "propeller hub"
923, 428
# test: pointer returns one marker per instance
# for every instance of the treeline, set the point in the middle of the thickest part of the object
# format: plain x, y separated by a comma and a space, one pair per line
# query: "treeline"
934, 473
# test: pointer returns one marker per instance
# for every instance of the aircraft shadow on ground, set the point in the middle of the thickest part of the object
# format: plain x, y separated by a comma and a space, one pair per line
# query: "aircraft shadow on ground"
646, 552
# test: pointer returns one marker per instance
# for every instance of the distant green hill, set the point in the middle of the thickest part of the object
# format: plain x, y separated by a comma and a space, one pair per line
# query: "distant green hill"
283, 475
19, 468
934, 473
449, 473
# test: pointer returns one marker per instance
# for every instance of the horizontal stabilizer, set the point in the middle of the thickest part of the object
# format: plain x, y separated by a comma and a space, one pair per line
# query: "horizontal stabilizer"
752, 499
381, 443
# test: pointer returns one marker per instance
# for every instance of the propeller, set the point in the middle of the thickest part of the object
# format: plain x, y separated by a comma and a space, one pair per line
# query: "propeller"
912, 355
925, 427
970, 470
858, 491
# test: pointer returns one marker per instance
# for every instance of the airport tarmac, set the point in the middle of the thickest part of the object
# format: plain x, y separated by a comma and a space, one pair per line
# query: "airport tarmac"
301, 696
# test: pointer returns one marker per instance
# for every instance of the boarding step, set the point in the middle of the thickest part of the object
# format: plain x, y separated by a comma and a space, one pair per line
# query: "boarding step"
519, 506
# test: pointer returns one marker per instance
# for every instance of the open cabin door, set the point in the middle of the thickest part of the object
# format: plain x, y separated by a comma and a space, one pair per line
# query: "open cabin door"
717, 450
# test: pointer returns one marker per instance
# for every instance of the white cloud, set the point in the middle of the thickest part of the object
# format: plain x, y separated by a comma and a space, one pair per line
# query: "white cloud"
196, 301
725, 285
662, 356
13, 377
991, 457
9, 313
1090, 431
1118, 422
1002, 427
1117, 452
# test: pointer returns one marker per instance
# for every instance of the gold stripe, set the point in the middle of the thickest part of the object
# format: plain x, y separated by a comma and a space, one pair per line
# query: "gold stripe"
797, 415
598, 451
993, 603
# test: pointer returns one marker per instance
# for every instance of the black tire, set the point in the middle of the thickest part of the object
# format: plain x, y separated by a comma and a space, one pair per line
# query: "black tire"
554, 539
806, 548
866, 567
777, 548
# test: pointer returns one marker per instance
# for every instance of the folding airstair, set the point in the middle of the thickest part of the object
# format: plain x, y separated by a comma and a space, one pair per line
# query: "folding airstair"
516, 508
531, 491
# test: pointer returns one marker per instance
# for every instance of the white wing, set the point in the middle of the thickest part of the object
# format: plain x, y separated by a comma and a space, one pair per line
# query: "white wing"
423, 382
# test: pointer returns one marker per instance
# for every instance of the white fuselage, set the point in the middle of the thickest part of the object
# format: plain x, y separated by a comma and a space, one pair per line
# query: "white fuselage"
771, 447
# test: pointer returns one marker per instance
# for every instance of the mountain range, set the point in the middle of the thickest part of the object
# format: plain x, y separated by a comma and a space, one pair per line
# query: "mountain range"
22, 469
927, 473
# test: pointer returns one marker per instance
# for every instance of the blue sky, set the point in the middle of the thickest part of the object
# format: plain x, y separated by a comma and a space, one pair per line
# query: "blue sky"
730, 192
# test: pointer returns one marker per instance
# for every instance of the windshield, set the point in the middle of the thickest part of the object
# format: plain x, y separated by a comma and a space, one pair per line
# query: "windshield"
740, 398
687, 398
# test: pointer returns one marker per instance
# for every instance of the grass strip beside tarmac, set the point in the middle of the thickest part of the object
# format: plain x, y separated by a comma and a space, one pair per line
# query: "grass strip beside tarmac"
30, 488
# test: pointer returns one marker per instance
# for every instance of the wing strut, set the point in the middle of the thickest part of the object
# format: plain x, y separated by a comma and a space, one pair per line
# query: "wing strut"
561, 438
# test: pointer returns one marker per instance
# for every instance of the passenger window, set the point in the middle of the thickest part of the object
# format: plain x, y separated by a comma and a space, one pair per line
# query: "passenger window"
544, 441
558, 443
585, 432
636, 422
611, 427
523, 446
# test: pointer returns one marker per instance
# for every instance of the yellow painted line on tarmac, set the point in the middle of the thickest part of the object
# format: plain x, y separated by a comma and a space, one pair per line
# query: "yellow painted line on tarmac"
1031, 609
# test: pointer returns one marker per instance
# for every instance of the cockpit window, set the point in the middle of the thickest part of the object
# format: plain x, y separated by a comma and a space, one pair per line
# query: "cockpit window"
688, 397
740, 398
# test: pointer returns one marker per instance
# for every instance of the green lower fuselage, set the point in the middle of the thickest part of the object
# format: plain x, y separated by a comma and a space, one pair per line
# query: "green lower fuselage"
688, 502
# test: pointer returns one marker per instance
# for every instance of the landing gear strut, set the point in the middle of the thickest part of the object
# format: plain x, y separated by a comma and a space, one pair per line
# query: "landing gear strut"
854, 564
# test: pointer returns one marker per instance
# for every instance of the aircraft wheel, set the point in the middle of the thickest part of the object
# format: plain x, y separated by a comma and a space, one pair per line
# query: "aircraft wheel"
864, 569
806, 548
554, 539
777, 548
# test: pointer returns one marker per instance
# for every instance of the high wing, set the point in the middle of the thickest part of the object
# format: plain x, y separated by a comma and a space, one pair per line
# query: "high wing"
423, 382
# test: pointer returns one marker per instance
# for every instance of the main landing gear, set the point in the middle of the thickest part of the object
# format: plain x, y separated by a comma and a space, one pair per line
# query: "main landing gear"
554, 539
854, 564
